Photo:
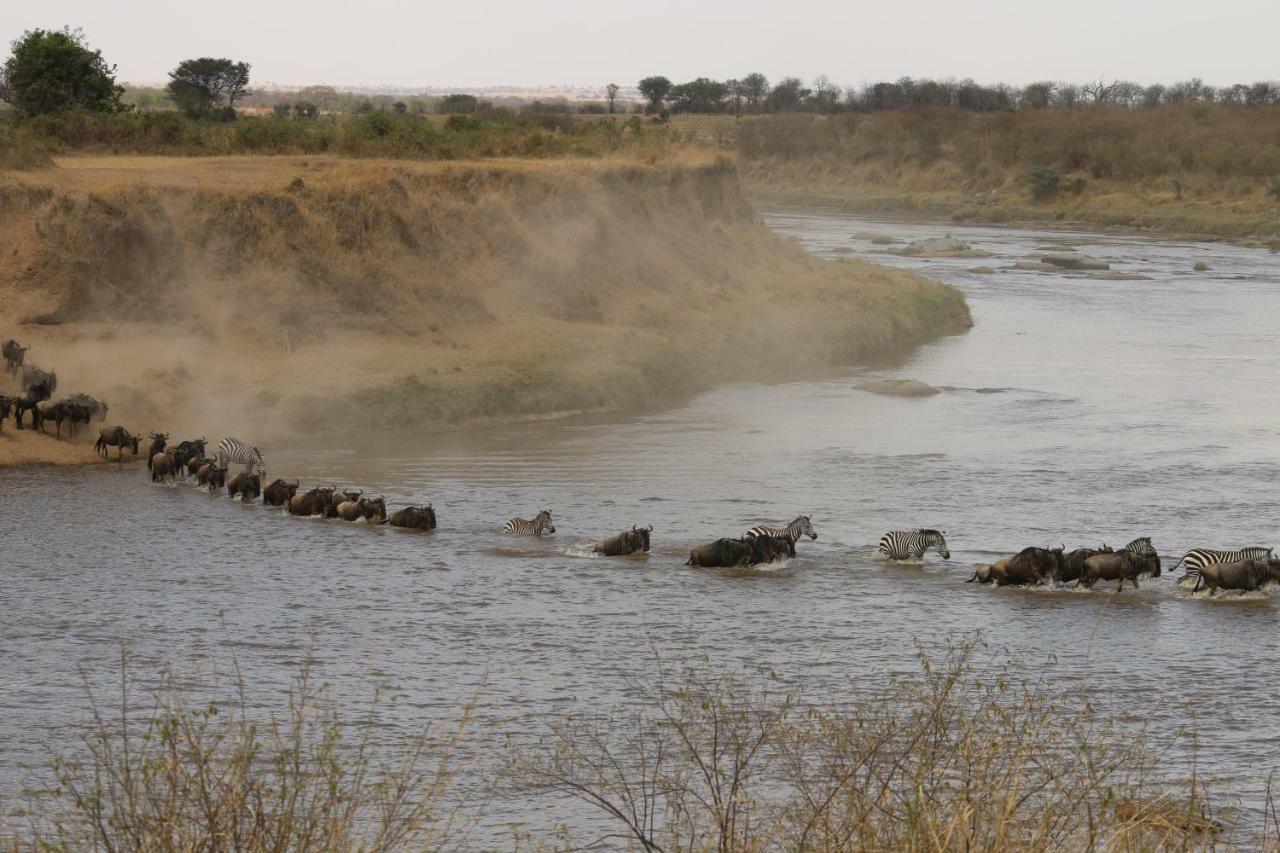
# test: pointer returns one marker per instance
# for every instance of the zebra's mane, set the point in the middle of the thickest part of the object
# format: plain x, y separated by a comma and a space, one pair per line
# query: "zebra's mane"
929, 531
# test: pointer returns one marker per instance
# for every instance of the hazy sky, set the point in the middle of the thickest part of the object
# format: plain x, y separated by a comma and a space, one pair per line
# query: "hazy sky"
487, 42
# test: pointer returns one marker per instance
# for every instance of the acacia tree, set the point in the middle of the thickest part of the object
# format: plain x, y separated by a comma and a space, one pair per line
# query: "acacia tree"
655, 89
202, 86
53, 70
611, 92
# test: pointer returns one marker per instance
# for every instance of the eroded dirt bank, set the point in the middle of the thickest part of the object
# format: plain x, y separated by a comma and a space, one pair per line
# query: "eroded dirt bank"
273, 297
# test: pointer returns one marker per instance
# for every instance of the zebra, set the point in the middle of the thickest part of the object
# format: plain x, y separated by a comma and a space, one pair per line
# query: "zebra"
792, 532
232, 451
1197, 558
540, 524
911, 544
1142, 547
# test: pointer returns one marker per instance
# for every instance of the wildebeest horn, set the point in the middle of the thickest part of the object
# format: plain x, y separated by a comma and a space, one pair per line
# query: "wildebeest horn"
972, 579
297, 483
649, 528
633, 529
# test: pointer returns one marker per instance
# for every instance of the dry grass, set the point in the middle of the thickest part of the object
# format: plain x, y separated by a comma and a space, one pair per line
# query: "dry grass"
285, 295
1120, 164
161, 774
965, 755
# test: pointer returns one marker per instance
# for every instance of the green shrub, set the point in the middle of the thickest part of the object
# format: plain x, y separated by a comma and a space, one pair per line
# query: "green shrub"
1045, 182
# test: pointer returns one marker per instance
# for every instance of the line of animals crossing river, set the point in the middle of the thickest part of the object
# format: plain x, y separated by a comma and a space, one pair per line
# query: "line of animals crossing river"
1244, 569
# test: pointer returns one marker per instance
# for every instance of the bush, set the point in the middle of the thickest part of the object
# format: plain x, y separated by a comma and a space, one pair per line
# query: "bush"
1045, 182
1274, 189
210, 778
964, 755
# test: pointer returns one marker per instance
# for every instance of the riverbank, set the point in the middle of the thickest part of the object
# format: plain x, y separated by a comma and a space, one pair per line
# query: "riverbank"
1148, 209
274, 297
1200, 170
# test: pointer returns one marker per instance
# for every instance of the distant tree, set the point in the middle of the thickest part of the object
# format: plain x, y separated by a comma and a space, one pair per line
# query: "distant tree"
206, 86
655, 90
702, 95
282, 109
826, 95
400, 107
611, 92
305, 109
1152, 96
458, 104
364, 107
788, 96
1100, 91
736, 95
1262, 93
1127, 94
754, 88
1068, 95
53, 70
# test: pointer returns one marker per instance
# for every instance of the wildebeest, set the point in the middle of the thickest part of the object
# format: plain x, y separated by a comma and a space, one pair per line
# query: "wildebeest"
1119, 566
117, 437
32, 375
314, 502
372, 510
158, 440
161, 466
5, 407
60, 412
14, 355
185, 451
279, 493
97, 408
1029, 566
247, 486
213, 475
633, 541
538, 525
747, 551
1073, 563
1243, 575
414, 517
27, 402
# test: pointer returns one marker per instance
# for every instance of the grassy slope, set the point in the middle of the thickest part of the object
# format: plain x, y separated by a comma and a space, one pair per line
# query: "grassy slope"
1119, 166
270, 296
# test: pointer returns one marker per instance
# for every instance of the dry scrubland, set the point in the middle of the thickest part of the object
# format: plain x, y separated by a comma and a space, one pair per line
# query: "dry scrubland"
1118, 166
266, 297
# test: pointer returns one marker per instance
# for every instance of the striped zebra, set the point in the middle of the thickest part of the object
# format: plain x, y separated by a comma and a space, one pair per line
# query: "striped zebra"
232, 451
793, 531
540, 524
1197, 558
911, 544
1142, 547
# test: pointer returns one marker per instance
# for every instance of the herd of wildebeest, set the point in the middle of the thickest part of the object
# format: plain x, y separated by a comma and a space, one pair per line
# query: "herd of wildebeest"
1244, 569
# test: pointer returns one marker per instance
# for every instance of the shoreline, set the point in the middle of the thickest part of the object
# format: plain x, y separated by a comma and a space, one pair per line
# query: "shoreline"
944, 210
284, 298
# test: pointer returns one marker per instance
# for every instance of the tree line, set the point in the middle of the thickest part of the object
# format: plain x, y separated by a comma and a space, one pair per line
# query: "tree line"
753, 94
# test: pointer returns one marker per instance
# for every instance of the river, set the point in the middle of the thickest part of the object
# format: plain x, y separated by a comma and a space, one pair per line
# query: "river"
1076, 410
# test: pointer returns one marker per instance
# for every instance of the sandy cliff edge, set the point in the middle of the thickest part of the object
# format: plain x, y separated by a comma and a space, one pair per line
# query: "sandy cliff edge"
271, 298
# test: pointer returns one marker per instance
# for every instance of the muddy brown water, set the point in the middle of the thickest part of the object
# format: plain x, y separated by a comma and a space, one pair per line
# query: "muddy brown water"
1076, 411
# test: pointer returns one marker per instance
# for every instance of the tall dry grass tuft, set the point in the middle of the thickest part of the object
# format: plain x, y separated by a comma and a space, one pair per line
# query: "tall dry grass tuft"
963, 755
166, 775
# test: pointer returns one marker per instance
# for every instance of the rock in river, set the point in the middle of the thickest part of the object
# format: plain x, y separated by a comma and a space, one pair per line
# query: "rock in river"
898, 387
1075, 262
940, 247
